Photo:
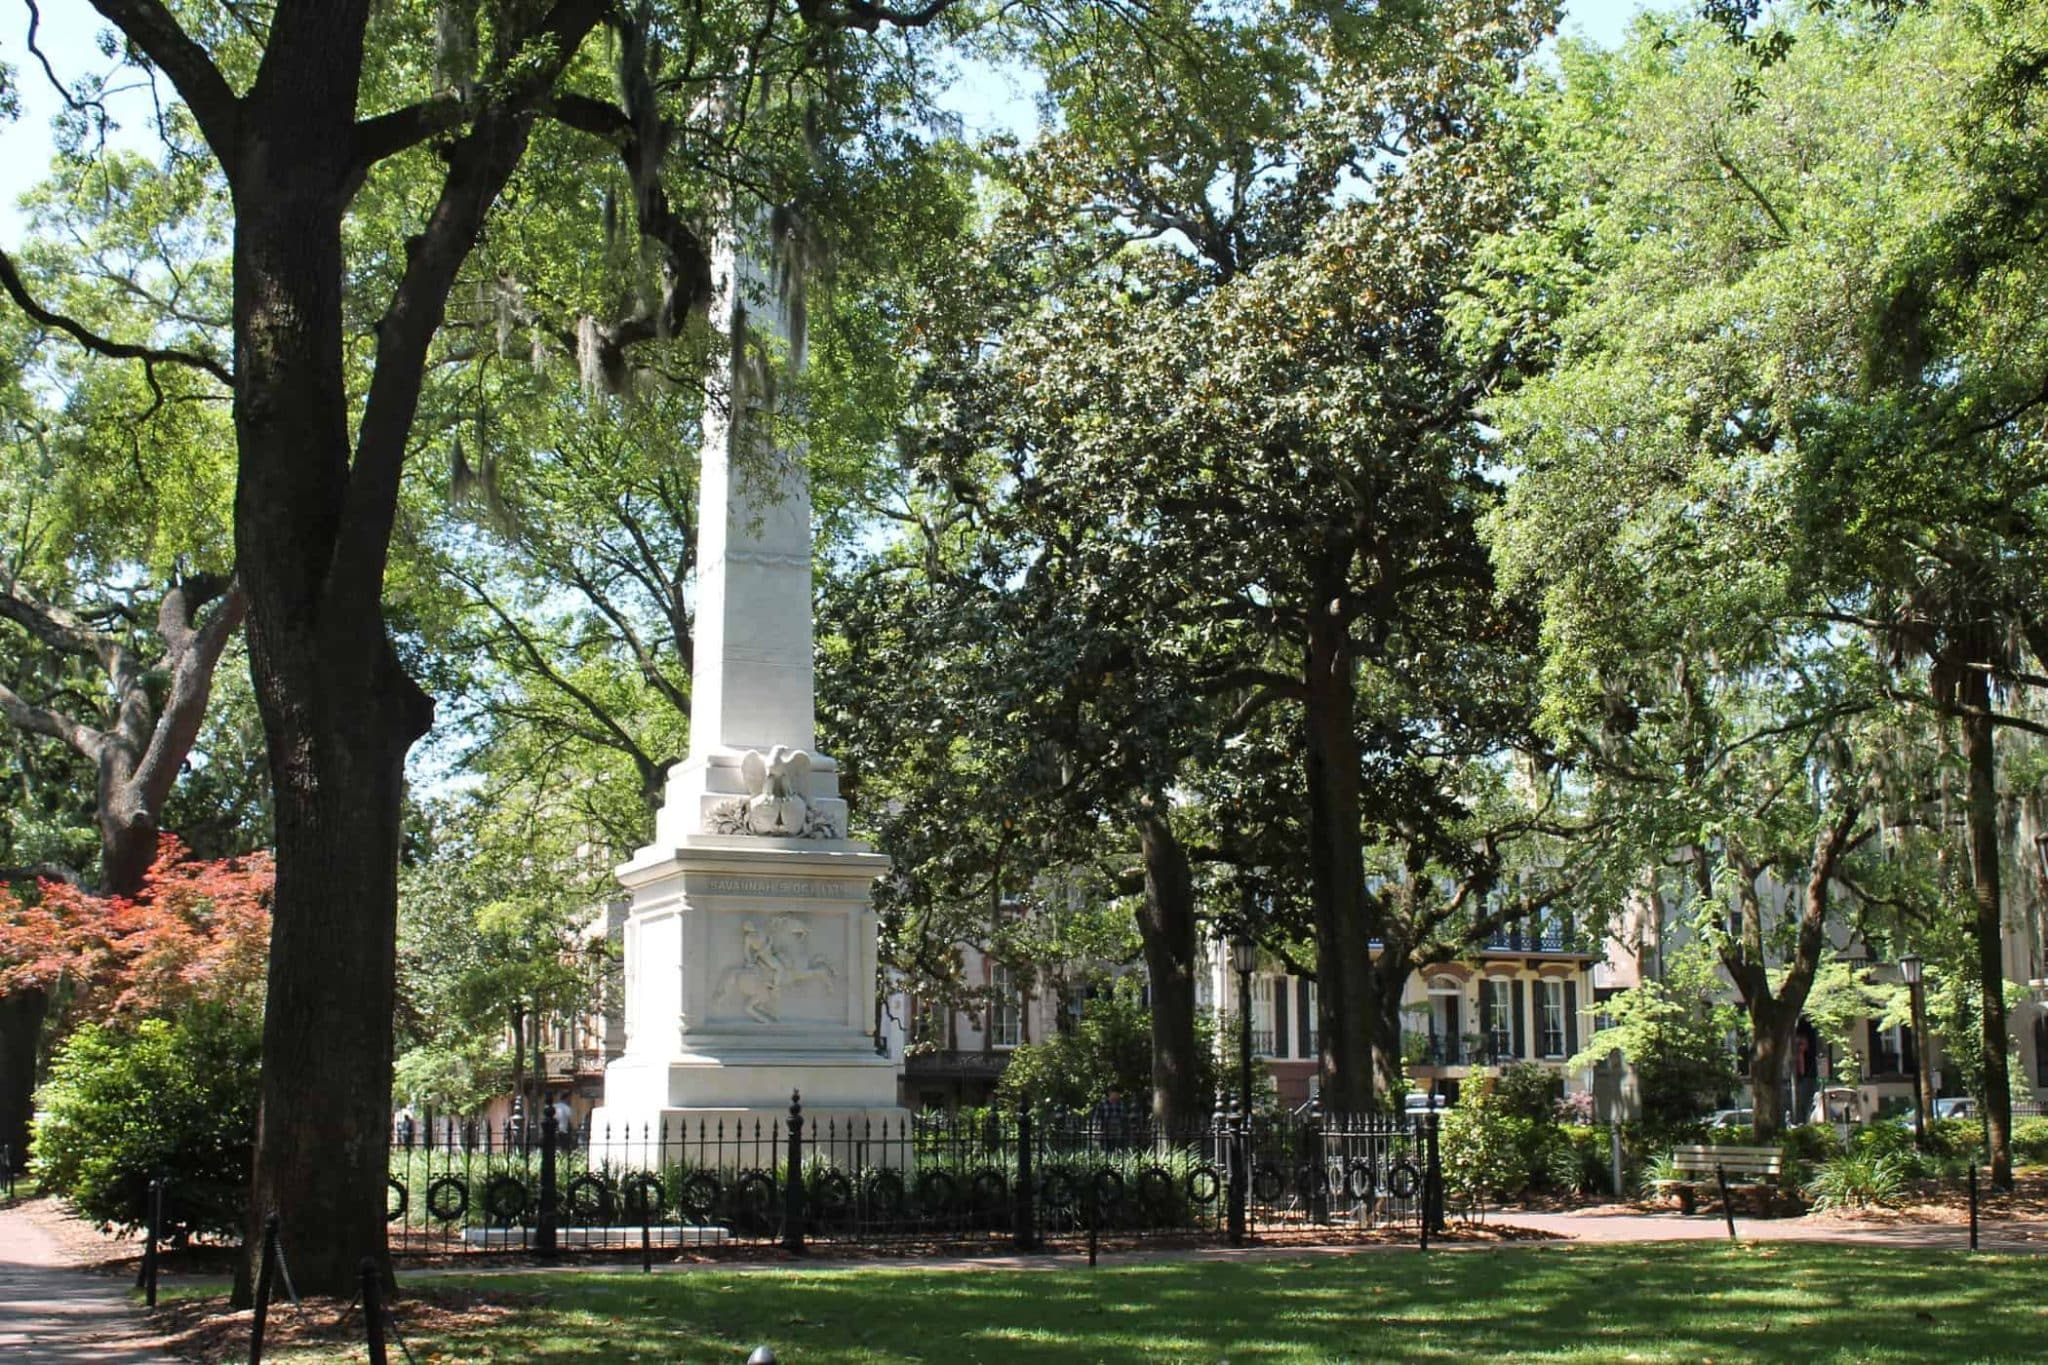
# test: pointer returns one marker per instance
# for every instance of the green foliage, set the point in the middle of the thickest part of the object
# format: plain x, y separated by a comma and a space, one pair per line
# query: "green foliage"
171, 1097
1526, 1090
1861, 1180
1673, 1032
1108, 1049
2030, 1140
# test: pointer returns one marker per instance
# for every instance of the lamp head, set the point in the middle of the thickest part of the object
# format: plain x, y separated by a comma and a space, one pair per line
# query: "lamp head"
1909, 969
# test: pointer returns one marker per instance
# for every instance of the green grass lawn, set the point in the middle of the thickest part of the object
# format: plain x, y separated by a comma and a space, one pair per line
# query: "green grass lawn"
1673, 1302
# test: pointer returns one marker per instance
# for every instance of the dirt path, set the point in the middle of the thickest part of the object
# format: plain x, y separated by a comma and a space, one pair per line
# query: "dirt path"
52, 1312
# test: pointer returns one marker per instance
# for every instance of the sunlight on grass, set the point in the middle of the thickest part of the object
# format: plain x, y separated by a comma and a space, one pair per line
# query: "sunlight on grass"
1675, 1302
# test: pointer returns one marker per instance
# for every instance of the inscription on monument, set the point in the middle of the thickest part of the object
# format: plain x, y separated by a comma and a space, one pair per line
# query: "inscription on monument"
779, 886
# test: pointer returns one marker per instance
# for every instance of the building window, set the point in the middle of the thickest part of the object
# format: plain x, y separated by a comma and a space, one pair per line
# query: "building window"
1262, 1014
1311, 1036
1553, 1017
1498, 1019
1006, 1015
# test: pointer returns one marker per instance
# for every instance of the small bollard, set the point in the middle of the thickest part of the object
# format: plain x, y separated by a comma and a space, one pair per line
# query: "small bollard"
153, 1210
1094, 1215
1973, 1205
373, 1312
263, 1288
1727, 1206
761, 1356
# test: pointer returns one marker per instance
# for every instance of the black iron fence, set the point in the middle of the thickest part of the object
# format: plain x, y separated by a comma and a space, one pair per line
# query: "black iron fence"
1012, 1178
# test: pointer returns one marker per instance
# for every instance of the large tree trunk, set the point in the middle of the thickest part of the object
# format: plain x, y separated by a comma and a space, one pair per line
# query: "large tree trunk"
1345, 994
1391, 971
1770, 1046
1980, 756
339, 713
21, 1028
1166, 929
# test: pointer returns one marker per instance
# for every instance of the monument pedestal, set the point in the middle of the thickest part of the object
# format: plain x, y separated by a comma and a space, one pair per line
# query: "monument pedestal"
750, 968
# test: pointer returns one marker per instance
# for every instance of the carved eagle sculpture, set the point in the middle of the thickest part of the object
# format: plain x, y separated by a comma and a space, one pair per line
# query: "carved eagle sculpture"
780, 782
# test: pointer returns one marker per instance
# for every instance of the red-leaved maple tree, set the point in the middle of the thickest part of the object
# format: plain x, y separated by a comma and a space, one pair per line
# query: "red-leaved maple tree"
195, 931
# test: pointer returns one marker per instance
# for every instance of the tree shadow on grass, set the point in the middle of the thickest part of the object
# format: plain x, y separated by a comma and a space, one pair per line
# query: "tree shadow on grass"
1646, 1302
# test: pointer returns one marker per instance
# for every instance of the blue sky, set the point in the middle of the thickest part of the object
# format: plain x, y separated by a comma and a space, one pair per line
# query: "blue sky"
69, 26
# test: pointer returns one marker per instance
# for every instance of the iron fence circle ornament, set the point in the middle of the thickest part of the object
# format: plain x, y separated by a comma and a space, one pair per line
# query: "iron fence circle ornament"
1404, 1179
832, 1191
1204, 1184
754, 1192
1267, 1182
1155, 1187
936, 1191
884, 1190
589, 1198
1310, 1180
448, 1198
393, 1214
1056, 1188
1359, 1180
1109, 1187
991, 1188
697, 1196
641, 1196
505, 1199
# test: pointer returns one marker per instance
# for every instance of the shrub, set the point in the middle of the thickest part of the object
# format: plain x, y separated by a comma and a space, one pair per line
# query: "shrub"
1525, 1090
1485, 1153
1859, 1180
2030, 1140
1955, 1137
1811, 1143
170, 1097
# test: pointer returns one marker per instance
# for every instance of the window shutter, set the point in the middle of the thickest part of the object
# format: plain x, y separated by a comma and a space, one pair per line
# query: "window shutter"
1303, 1020
1571, 1018
1280, 1017
1517, 1023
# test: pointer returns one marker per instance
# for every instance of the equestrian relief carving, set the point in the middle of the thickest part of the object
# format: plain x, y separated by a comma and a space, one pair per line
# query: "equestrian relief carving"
771, 960
778, 804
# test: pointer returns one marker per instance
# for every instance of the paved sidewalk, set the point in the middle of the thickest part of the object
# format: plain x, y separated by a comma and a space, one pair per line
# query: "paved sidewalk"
52, 1313
1608, 1224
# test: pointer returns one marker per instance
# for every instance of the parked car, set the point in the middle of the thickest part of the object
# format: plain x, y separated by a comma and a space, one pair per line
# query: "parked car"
1955, 1107
1732, 1118
1417, 1102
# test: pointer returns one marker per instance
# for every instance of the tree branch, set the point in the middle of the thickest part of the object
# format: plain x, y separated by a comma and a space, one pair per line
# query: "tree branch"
10, 279
157, 35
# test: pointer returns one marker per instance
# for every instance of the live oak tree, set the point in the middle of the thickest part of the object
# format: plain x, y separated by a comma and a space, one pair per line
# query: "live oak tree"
1251, 444
1805, 347
296, 112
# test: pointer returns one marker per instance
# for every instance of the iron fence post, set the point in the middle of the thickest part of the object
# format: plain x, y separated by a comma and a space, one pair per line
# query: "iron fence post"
1024, 1207
1433, 1173
263, 1271
544, 1233
1727, 1205
1239, 1147
1318, 1176
793, 1184
373, 1312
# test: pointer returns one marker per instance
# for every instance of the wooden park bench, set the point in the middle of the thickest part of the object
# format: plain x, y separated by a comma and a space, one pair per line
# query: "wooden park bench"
1755, 1171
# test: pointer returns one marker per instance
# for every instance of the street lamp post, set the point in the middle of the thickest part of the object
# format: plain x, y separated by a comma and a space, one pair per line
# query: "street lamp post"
1909, 971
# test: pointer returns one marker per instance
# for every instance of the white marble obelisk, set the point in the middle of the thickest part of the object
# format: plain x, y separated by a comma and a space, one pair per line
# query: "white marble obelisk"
750, 950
